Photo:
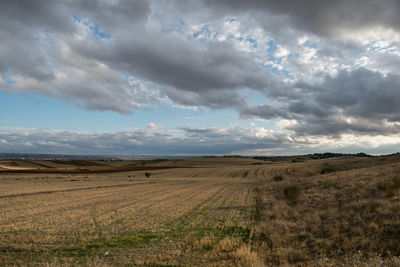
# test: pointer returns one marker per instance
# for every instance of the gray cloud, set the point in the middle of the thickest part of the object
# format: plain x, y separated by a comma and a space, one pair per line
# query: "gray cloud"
363, 93
39, 45
359, 101
35, 53
192, 141
113, 15
20, 52
327, 18
210, 73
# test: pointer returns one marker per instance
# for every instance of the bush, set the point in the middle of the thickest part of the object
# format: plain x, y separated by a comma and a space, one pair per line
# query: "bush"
292, 191
389, 187
147, 174
327, 170
278, 178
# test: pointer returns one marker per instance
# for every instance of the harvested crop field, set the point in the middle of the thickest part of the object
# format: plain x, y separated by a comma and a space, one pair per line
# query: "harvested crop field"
127, 218
200, 212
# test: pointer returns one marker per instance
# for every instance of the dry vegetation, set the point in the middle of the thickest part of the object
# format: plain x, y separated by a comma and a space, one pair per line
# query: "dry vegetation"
349, 215
201, 212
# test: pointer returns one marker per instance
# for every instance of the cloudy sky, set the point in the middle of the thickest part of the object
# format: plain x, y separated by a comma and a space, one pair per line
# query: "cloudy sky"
196, 77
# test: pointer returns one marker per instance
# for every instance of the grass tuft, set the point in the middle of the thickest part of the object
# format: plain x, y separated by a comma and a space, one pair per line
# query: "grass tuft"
292, 191
389, 187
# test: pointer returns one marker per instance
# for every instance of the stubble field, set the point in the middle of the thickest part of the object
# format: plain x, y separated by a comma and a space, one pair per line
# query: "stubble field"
200, 212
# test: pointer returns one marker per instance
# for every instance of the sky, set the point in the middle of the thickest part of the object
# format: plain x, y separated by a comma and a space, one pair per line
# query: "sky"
199, 77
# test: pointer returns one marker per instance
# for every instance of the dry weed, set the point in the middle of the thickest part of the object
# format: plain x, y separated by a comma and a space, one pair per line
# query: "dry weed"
205, 243
228, 244
244, 256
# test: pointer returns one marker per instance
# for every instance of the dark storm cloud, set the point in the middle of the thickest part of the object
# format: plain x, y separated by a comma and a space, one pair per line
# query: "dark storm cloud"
326, 18
362, 93
358, 101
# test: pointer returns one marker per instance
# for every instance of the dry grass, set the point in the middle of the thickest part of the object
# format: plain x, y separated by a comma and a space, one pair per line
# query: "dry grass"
203, 212
246, 257
337, 214
205, 243
228, 244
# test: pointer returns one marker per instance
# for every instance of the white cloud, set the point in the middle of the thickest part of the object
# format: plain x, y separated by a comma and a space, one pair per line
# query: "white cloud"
284, 124
281, 52
154, 126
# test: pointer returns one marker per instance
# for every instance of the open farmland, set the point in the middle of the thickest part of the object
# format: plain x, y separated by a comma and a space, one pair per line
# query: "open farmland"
202, 212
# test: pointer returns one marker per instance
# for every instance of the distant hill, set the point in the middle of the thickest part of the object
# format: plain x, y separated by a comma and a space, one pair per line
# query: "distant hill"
299, 158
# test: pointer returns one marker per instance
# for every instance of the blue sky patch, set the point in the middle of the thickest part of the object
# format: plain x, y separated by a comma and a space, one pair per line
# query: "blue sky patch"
8, 79
310, 44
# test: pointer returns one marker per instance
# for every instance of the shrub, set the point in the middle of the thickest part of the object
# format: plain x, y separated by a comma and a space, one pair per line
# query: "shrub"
389, 187
147, 174
278, 178
327, 170
292, 191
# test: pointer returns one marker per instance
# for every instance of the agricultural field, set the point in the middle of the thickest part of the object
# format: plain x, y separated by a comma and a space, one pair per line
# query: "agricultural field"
201, 212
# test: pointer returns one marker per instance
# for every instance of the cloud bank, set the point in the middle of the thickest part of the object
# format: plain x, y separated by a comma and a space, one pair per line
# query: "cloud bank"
254, 140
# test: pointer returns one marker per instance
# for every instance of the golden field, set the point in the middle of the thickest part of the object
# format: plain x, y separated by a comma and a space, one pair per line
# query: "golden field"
218, 211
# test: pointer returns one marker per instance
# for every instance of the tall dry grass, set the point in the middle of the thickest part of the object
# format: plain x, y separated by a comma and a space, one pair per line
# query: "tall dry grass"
339, 218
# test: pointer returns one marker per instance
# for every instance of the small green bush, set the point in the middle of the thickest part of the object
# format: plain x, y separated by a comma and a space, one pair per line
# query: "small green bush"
147, 174
292, 191
278, 178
